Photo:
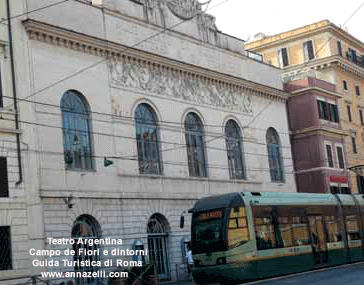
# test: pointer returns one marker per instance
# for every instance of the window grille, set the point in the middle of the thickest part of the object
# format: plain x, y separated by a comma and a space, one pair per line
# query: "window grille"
195, 146
86, 227
76, 123
234, 150
147, 140
274, 156
157, 230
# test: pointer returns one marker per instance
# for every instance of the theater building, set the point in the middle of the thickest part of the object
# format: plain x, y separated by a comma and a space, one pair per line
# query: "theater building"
131, 110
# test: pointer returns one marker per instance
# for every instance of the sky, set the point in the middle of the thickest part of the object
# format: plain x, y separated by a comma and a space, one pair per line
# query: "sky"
242, 18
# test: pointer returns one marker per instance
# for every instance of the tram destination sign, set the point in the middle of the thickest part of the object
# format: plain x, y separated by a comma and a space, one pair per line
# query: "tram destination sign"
210, 215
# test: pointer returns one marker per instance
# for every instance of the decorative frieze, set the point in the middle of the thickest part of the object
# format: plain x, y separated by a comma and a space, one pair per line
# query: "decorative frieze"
133, 68
190, 87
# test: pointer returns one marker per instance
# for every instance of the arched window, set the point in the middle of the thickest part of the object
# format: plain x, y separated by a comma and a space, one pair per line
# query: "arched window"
274, 156
234, 150
147, 140
195, 145
76, 124
86, 228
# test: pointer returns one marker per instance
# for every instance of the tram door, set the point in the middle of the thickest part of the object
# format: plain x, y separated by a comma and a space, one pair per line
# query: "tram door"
318, 239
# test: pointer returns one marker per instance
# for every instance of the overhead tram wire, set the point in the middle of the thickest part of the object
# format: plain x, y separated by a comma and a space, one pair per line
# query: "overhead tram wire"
35, 10
179, 145
208, 166
68, 77
161, 123
164, 29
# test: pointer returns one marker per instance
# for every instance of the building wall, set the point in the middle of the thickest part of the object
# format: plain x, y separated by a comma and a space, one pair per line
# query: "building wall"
327, 65
355, 126
13, 207
180, 71
311, 134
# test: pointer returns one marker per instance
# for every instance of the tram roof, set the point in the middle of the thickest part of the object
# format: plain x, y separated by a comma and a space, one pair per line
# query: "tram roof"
275, 198
216, 202
278, 198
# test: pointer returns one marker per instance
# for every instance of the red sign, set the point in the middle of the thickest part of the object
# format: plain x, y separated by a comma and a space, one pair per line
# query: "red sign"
210, 215
339, 179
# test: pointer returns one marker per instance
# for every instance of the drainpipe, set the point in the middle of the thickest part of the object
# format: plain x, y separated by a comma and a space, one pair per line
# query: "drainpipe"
14, 93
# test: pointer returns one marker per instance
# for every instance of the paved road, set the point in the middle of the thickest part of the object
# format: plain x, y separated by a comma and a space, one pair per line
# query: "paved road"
352, 274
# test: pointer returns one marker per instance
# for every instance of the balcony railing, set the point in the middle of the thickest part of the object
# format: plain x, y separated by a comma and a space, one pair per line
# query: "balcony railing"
355, 59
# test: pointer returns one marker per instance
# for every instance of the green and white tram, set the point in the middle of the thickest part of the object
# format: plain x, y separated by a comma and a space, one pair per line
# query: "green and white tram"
251, 235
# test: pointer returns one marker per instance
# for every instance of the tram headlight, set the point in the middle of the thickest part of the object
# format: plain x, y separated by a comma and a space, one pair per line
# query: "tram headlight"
221, 260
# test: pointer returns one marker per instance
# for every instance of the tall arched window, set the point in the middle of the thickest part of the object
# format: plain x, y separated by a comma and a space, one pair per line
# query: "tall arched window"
195, 145
147, 140
234, 150
76, 124
274, 156
86, 228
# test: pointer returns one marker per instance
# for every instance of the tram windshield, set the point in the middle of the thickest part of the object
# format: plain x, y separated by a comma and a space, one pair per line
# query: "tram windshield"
207, 234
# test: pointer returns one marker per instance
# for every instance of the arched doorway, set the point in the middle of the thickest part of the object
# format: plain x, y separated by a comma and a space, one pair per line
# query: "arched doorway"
158, 229
85, 227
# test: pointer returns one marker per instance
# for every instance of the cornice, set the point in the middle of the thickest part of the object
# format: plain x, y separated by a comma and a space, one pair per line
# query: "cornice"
61, 37
304, 32
318, 130
324, 63
9, 131
315, 88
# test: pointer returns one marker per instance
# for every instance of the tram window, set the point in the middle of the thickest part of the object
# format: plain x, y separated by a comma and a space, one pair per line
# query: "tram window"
207, 233
238, 232
286, 231
333, 229
264, 232
300, 231
352, 227
294, 231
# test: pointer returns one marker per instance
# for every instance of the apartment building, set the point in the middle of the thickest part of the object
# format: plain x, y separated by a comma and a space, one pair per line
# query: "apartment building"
327, 52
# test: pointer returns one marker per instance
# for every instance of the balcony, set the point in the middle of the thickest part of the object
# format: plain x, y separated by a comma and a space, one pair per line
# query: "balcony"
352, 57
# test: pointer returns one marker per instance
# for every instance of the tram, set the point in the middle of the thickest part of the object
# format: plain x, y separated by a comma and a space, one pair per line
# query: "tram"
251, 235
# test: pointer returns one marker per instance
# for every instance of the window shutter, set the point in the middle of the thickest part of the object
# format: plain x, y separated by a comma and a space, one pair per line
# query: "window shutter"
339, 49
5, 254
329, 156
4, 185
284, 55
1, 91
340, 157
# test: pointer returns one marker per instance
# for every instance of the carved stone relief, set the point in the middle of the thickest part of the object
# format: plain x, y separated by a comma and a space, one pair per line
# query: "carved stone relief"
184, 9
165, 81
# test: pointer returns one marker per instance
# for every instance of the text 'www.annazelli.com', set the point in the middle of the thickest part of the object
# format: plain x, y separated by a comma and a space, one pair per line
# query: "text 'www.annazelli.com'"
96, 274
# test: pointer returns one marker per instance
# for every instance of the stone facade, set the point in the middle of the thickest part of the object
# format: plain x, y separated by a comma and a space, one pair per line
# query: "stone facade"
119, 55
13, 202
